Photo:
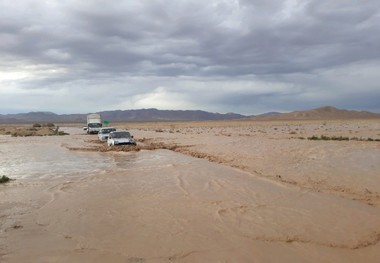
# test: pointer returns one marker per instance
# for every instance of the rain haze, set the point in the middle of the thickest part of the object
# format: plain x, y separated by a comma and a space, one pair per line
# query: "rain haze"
239, 56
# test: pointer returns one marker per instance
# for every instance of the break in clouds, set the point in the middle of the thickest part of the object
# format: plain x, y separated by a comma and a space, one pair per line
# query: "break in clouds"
220, 55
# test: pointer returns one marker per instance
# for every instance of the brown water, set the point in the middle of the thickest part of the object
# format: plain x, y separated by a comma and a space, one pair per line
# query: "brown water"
161, 206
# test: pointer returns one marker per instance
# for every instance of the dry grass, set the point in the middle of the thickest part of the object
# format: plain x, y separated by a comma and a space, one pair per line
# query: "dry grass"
35, 130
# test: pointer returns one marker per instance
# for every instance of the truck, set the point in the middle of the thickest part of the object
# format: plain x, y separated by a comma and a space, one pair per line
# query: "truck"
94, 123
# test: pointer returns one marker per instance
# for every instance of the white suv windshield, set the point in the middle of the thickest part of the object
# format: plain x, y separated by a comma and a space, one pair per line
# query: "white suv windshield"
121, 135
107, 130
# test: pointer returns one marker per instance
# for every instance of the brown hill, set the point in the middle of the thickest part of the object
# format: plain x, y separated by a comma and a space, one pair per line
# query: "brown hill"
324, 113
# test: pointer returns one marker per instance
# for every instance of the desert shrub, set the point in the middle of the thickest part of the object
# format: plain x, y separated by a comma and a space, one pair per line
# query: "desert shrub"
49, 124
325, 138
4, 179
37, 125
61, 133
340, 138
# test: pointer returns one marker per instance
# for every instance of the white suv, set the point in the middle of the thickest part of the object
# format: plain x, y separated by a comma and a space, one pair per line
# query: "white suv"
119, 138
104, 133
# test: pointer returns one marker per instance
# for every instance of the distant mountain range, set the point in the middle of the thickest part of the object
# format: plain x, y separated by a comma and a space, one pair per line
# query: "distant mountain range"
324, 113
120, 116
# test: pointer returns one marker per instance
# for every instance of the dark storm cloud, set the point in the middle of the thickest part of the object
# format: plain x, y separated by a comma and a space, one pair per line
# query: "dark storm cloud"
142, 50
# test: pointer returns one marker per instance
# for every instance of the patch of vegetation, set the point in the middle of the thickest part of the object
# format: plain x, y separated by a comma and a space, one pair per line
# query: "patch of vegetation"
4, 179
325, 138
48, 129
339, 138
61, 133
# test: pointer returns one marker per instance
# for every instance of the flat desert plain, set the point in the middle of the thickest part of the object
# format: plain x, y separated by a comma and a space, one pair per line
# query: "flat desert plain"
234, 191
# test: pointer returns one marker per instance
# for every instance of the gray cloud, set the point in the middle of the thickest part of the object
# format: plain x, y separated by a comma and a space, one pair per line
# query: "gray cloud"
222, 55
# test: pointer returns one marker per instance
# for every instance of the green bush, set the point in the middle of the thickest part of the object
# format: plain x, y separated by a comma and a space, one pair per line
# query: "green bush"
340, 138
325, 138
4, 179
61, 133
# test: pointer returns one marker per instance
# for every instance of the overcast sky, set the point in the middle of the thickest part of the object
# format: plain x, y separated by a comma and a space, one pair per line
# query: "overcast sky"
242, 56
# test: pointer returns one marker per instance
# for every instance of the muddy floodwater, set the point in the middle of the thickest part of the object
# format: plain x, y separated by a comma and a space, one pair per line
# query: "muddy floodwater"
164, 206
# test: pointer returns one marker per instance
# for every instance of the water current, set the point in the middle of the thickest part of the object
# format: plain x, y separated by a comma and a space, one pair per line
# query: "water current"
162, 206
46, 160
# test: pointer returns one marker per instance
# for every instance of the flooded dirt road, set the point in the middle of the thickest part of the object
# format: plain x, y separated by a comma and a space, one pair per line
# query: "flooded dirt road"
162, 206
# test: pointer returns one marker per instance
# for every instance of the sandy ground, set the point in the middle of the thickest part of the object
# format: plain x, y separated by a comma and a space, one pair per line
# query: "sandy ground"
257, 192
280, 151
